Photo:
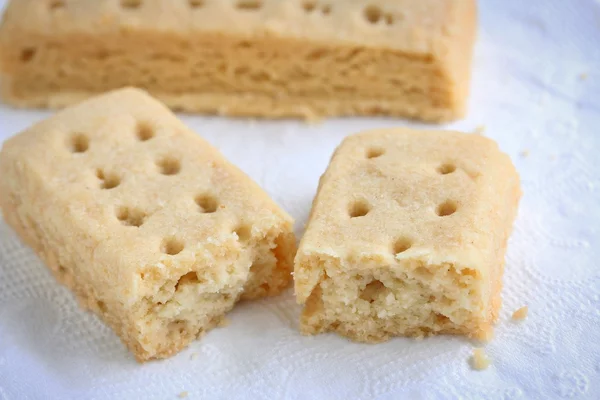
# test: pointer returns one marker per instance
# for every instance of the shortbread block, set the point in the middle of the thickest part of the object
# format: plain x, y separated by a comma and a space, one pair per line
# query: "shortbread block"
147, 223
407, 236
264, 58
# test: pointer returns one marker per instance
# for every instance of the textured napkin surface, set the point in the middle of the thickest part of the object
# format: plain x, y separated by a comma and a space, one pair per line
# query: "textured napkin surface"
536, 89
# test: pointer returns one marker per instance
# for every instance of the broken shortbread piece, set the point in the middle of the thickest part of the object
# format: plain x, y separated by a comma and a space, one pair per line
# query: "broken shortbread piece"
266, 58
407, 236
521, 313
480, 360
145, 221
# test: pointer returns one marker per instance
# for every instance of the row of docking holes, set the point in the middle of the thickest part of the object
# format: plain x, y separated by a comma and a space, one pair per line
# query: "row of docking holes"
360, 208
135, 217
372, 13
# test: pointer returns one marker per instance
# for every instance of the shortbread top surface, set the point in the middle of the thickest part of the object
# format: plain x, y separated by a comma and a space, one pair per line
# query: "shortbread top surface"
426, 26
139, 189
399, 194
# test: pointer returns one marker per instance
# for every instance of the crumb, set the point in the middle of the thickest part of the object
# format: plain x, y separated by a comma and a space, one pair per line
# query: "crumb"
479, 130
583, 76
486, 336
193, 356
521, 313
223, 322
479, 360
524, 153
552, 157
182, 395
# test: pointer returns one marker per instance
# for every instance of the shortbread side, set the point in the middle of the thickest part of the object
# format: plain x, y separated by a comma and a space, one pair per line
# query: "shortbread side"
280, 59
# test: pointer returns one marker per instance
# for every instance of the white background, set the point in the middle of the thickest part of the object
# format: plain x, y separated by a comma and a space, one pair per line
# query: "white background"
529, 92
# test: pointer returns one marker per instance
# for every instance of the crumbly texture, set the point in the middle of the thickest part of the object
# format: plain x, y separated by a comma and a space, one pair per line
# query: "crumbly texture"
521, 313
480, 360
407, 236
146, 222
265, 58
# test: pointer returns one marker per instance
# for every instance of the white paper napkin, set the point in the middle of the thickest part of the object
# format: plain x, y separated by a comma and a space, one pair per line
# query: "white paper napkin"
536, 89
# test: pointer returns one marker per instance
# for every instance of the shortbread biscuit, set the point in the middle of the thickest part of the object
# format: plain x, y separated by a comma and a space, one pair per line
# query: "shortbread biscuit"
146, 222
266, 58
407, 236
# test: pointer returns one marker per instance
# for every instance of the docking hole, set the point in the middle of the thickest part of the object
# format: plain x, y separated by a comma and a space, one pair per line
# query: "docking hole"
172, 246
144, 131
79, 143
359, 208
169, 166
373, 14
446, 208
109, 180
131, 4
402, 245
447, 168
249, 5
131, 216
244, 232
57, 4
207, 203
375, 152
27, 54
